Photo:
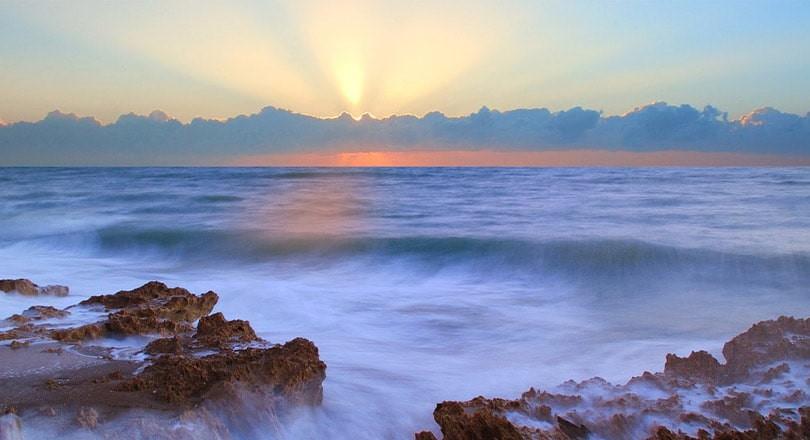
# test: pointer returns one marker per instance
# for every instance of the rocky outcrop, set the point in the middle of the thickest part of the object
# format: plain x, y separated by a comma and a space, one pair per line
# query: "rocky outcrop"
153, 308
28, 288
759, 393
37, 313
474, 421
224, 369
218, 374
185, 371
156, 299
772, 428
766, 343
78, 334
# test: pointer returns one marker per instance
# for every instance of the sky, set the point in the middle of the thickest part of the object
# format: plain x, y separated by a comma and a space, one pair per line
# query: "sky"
220, 60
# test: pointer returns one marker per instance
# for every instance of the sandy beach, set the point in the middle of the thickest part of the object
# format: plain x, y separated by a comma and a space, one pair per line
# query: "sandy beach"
52, 375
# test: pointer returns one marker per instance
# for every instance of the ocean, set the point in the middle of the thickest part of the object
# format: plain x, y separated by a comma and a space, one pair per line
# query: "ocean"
421, 285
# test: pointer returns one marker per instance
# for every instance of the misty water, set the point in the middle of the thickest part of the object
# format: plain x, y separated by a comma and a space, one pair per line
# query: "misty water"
420, 285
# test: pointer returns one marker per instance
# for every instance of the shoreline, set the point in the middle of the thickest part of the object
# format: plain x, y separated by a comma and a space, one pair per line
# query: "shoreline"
47, 374
200, 374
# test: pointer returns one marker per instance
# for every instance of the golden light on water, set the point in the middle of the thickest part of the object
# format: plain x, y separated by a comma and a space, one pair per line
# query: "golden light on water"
312, 208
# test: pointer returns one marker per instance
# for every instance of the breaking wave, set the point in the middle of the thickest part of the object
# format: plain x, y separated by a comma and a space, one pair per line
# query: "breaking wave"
597, 258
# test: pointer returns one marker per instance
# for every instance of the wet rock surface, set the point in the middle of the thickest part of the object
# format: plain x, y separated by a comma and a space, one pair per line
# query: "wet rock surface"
185, 381
153, 308
29, 288
183, 376
760, 392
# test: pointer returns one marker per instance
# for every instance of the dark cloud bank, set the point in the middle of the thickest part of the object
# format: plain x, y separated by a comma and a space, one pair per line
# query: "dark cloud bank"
157, 139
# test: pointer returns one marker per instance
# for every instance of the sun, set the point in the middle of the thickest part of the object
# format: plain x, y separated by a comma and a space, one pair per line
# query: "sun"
350, 81
349, 72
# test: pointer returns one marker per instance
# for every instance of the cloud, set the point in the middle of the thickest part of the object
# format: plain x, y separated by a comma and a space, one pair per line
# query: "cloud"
659, 123
157, 138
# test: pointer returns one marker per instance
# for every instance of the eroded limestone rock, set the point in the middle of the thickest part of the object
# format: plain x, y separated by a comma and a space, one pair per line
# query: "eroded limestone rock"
759, 393
293, 371
153, 308
21, 286
217, 380
765, 343
29, 288
459, 423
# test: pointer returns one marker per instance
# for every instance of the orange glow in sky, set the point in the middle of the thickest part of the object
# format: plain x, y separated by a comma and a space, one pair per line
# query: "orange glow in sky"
520, 158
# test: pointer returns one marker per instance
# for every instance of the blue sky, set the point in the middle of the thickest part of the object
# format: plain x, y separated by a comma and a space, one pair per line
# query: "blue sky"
221, 59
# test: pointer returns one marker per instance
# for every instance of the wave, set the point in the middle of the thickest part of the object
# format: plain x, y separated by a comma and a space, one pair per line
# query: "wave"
219, 198
596, 258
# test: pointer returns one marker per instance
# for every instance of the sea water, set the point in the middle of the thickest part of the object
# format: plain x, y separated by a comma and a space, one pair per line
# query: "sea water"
420, 285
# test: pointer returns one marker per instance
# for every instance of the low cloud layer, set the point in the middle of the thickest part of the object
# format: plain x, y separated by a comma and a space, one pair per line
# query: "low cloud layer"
157, 138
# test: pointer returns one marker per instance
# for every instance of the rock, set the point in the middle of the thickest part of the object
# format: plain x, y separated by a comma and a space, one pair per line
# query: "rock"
155, 299
292, 371
759, 393
765, 343
164, 346
764, 430
663, 433
17, 344
227, 370
27, 287
44, 312
572, 430
11, 427
152, 308
53, 384
78, 334
17, 319
699, 366
776, 372
217, 380
481, 424
54, 290
87, 418
215, 331
21, 286
11, 334
132, 322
